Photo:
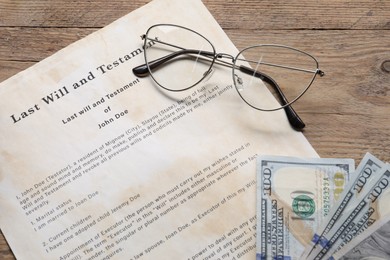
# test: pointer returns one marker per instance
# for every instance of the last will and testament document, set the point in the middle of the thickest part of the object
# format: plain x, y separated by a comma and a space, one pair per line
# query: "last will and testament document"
96, 163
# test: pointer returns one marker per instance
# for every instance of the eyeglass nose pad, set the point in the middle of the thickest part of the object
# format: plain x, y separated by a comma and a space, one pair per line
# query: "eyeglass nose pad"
207, 75
239, 83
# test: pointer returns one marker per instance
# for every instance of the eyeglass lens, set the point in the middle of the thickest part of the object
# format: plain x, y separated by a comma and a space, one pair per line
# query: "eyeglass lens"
191, 57
264, 71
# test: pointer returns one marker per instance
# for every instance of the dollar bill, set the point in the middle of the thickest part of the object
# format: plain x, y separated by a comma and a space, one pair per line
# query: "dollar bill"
373, 242
369, 206
377, 211
293, 196
364, 177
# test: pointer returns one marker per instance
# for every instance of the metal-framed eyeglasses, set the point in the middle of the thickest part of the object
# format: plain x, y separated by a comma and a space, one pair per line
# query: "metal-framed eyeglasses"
267, 77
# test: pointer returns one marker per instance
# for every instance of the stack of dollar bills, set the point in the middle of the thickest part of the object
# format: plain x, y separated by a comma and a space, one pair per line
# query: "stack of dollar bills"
322, 208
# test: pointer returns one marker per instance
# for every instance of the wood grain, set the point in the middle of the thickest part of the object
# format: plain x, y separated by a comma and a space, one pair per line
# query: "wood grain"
346, 111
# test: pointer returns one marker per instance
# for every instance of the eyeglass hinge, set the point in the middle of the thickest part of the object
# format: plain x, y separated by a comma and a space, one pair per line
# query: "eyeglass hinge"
320, 72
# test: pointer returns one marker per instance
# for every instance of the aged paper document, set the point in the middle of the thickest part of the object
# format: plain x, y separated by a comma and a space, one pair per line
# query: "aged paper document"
96, 163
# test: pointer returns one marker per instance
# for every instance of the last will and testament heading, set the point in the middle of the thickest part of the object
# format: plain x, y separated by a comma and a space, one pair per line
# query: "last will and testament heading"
65, 90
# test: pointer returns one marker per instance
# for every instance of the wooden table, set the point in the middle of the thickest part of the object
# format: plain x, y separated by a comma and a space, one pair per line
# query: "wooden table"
347, 112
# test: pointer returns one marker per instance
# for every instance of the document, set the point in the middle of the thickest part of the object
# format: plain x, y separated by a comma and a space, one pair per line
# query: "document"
96, 163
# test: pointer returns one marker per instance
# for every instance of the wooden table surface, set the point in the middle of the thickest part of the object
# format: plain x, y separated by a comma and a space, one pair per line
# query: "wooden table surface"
346, 112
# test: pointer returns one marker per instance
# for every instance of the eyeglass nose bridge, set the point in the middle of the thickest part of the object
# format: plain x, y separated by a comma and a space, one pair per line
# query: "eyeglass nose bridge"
225, 55
218, 56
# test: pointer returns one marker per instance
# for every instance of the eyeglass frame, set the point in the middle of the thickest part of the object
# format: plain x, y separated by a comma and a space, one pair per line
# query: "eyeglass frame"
144, 70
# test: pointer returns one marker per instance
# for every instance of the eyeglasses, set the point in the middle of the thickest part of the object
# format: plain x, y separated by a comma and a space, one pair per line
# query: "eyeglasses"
267, 77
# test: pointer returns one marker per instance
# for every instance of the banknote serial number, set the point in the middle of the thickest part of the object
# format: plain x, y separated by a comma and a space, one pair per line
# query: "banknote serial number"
326, 196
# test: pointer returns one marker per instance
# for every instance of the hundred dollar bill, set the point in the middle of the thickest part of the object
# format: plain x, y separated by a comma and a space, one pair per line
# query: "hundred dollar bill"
293, 196
375, 214
373, 242
367, 207
363, 180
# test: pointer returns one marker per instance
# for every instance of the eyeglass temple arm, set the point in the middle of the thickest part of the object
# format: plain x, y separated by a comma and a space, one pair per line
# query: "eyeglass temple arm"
143, 71
292, 116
